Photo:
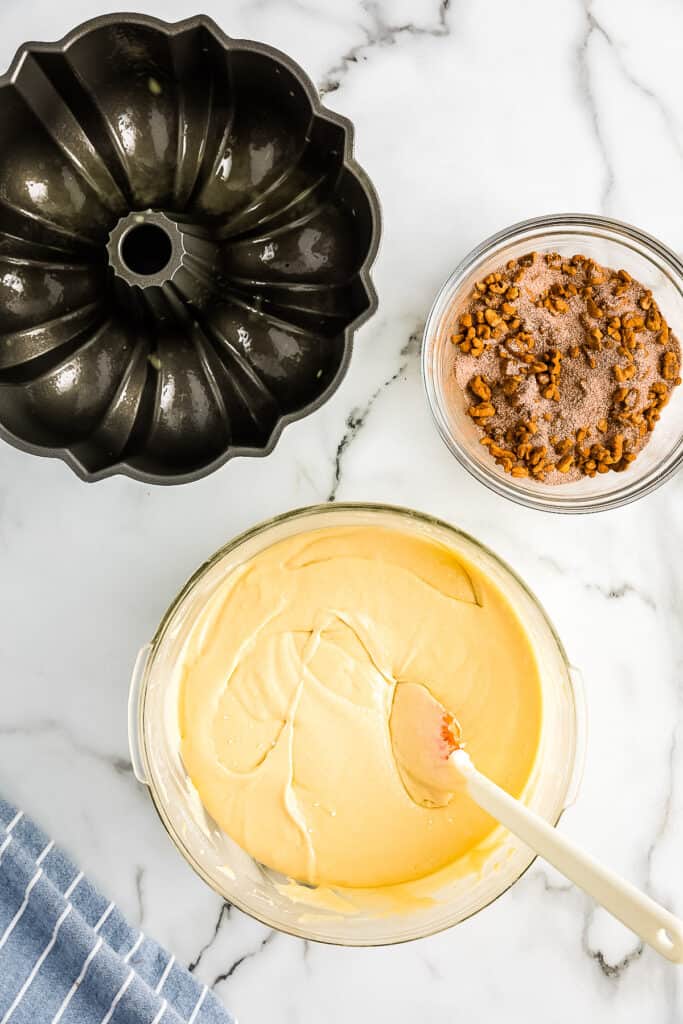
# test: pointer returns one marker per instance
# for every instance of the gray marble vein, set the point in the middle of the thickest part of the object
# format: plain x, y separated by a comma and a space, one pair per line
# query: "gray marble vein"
223, 915
379, 31
585, 73
665, 113
53, 726
358, 416
139, 878
611, 591
613, 971
236, 964
549, 886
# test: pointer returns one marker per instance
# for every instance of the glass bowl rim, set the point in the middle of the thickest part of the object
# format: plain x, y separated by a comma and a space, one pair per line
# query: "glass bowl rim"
621, 233
574, 693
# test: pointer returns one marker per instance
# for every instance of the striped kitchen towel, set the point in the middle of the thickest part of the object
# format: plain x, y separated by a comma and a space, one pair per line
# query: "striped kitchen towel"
68, 956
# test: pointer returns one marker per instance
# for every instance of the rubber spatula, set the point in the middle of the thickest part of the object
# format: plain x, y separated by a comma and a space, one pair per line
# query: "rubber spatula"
433, 763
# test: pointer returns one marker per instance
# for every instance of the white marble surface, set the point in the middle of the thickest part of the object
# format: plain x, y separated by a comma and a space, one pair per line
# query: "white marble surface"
468, 116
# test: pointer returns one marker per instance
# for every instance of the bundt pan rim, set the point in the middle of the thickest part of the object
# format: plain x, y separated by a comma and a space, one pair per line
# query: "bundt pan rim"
319, 110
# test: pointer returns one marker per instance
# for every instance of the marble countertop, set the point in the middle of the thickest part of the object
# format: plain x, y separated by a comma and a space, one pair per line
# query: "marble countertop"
468, 116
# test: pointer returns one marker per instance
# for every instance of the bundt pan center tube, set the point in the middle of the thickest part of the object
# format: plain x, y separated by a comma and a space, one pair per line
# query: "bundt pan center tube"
185, 246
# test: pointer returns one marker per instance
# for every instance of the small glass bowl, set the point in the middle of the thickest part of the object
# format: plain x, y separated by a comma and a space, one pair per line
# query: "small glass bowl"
612, 244
155, 747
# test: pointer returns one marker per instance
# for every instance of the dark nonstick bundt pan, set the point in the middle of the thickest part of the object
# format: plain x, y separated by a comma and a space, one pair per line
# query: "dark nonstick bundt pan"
185, 244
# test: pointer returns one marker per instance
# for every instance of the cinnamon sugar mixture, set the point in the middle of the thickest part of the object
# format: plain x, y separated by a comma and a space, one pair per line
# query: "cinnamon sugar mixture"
567, 364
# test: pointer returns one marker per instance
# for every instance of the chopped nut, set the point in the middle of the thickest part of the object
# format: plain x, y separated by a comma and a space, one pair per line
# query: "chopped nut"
653, 321
537, 454
481, 411
590, 358
617, 447
629, 339
669, 365
480, 388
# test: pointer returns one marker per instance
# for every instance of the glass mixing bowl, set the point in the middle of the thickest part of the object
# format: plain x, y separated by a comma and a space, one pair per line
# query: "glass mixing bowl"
614, 245
255, 889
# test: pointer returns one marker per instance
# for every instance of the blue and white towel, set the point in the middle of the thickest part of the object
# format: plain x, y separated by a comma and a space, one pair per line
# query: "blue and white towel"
68, 956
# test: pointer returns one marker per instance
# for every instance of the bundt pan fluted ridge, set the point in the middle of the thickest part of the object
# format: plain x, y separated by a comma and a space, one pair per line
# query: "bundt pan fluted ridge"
185, 244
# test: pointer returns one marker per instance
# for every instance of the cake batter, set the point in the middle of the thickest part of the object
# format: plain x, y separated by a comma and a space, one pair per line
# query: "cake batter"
286, 695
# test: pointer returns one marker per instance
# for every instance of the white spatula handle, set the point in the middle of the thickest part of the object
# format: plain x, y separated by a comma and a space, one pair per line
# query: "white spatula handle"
655, 925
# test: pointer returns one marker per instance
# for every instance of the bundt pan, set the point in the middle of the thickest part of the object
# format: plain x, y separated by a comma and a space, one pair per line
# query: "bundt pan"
185, 243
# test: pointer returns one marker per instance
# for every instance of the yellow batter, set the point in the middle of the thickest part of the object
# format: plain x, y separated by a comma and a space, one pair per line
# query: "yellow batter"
287, 691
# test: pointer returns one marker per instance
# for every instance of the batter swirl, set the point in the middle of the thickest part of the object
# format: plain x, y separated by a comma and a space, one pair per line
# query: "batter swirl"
286, 694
